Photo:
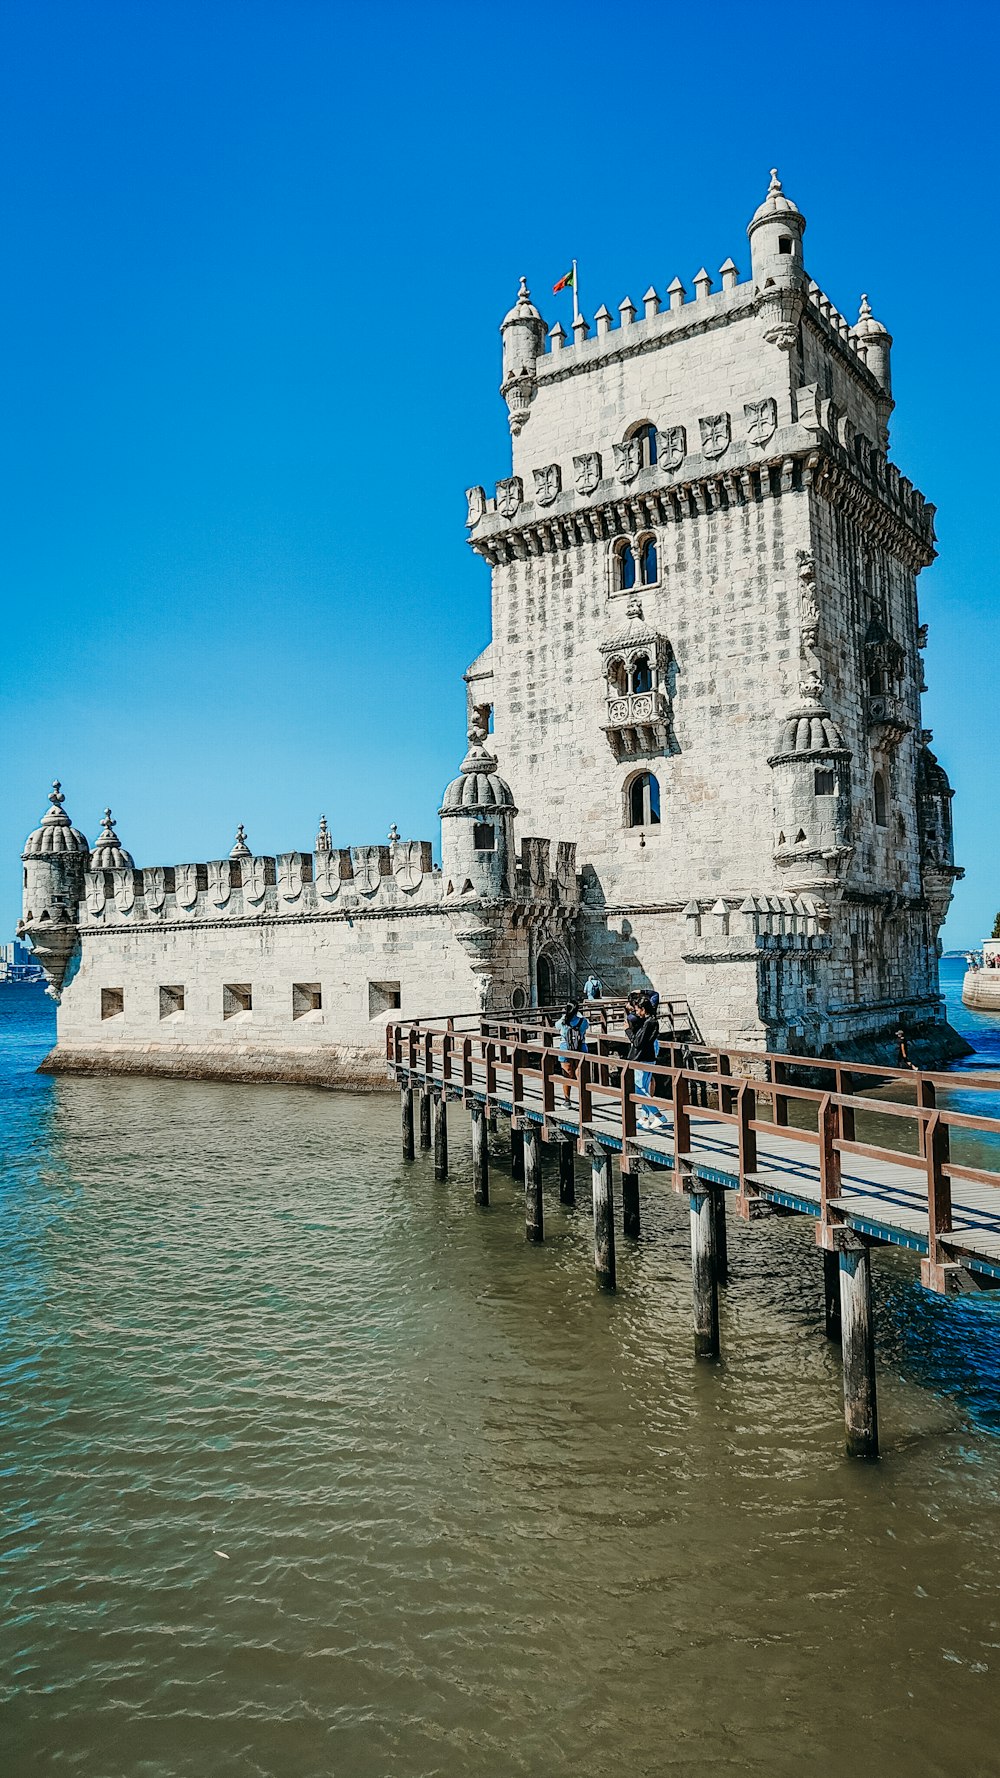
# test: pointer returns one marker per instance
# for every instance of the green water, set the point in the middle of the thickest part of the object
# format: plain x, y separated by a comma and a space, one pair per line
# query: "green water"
311, 1468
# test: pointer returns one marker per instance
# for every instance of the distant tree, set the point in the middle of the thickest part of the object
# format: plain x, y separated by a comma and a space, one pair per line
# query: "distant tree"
996, 928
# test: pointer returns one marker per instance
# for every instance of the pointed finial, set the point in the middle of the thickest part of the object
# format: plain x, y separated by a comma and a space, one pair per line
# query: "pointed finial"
107, 826
774, 189
323, 842
56, 797
394, 835
240, 849
864, 313
523, 293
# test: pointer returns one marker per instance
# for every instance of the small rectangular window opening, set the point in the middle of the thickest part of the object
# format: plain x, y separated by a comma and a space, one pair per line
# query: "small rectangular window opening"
237, 998
307, 997
484, 836
171, 1002
383, 997
112, 1003
826, 782
784, 244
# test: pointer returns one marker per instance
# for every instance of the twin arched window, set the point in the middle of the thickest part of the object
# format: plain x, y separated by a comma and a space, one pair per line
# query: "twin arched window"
635, 564
643, 801
646, 434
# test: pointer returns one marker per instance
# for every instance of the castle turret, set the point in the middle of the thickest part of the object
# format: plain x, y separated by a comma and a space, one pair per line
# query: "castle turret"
55, 859
877, 342
523, 332
477, 827
109, 853
775, 231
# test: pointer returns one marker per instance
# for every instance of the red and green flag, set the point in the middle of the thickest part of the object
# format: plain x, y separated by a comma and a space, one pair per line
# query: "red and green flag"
567, 283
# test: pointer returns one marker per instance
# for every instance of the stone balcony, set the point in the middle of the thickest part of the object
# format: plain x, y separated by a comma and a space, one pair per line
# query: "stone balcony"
638, 724
889, 717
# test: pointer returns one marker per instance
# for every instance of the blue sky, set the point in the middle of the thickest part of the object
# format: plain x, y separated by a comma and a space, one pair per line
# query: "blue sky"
256, 255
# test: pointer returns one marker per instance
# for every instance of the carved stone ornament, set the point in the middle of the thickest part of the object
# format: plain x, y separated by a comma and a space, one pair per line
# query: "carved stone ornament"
509, 496
671, 447
716, 432
628, 459
326, 875
762, 418
367, 868
96, 897
124, 891
290, 876
186, 884
587, 470
254, 879
779, 310
154, 880
518, 392
476, 498
407, 864
220, 881
548, 483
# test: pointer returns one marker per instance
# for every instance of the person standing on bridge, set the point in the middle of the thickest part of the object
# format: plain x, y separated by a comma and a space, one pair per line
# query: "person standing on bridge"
644, 1047
572, 1029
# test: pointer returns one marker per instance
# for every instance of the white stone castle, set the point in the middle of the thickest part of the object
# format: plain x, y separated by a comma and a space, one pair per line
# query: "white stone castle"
703, 683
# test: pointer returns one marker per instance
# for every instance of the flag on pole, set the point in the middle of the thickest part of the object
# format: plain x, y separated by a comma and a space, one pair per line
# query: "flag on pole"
567, 283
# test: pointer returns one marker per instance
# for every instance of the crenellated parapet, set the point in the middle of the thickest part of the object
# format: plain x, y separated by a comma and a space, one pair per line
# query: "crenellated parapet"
342, 880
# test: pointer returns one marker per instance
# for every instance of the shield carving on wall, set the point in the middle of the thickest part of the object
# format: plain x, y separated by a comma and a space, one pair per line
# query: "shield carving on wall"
628, 459
548, 483
587, 469
186, 884
95, 893
289, 875
715, 434
476, 498
326, 874
154, 880
671, 446
367, 868
407, 864
124, 891
254, 879
509, 496
220, 878
762, 418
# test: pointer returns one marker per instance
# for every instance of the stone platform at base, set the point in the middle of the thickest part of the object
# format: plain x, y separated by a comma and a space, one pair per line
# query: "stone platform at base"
359, 1069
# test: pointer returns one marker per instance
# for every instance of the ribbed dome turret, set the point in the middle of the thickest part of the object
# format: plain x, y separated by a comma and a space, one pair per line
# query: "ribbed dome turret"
776, 206
524, 309
109, 853
56, 836
478, 785
866, 327
808, 730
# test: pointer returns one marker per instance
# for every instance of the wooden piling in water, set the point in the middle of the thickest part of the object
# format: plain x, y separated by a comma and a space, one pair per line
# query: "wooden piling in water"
857, 1338
604, 1217
425, 1117
721, 1236
630, 1202
440, 1137
516, 1153
704, 1269
532, 1154
406, 1120
567, 1171
480, 1156
831, 1293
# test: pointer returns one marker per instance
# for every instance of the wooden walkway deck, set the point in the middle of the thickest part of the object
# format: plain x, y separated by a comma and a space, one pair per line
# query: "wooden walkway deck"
743, 1125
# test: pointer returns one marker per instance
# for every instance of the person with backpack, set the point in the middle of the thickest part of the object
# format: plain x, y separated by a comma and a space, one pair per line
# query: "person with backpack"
572, 1029
643, 1048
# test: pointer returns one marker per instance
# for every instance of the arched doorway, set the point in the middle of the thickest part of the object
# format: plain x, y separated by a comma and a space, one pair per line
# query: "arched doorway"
551, 976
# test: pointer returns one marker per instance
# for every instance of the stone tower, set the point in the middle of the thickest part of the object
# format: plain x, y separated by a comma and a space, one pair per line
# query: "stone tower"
705, 660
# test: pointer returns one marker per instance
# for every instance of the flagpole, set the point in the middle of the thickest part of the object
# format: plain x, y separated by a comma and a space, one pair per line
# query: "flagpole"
576, 298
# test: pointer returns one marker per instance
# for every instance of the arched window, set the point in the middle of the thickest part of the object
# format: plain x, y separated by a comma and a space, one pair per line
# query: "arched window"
645, 432
642, 678
881, 800
644, 801
624, 567
647, 561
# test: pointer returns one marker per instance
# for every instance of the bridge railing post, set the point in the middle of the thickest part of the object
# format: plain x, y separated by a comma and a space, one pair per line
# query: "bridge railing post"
682, 1121
828, 1125
927, 1101
844, 1081
779, 1105
934, 1270
466, 1069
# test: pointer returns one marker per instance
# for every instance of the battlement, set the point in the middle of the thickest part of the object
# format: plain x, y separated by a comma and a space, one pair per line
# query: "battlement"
354, 880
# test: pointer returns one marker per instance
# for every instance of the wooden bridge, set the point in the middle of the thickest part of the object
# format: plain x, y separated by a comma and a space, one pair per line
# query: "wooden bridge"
740, 1123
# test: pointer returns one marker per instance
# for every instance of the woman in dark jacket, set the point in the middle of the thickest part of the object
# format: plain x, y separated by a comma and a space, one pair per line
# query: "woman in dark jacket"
642, 1048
